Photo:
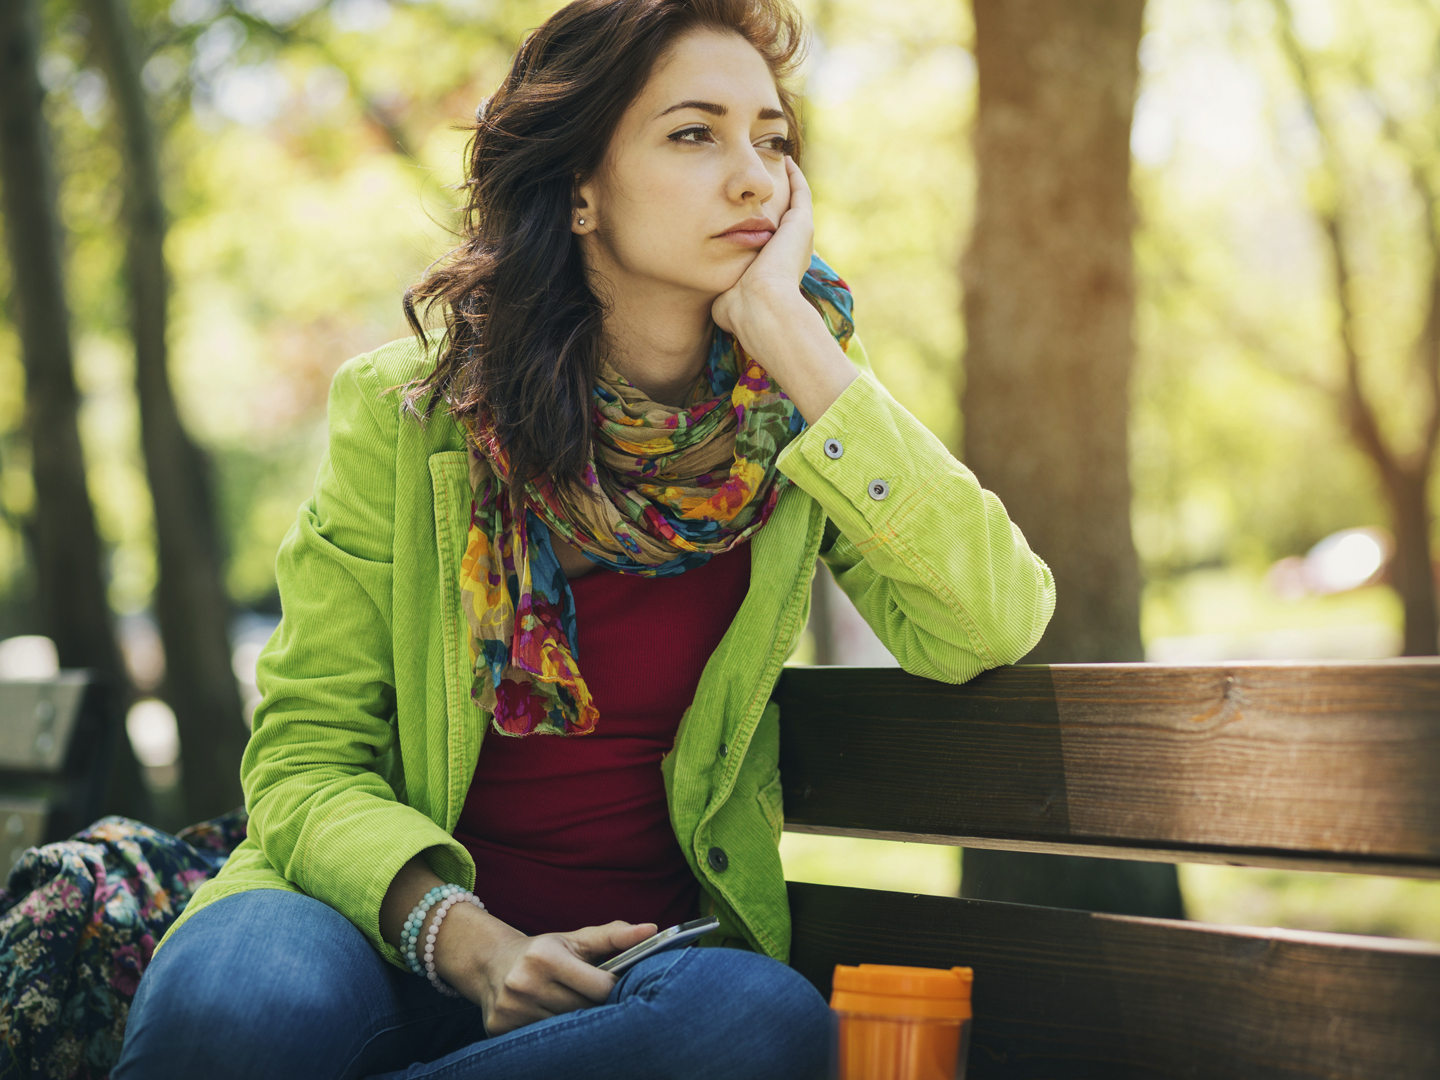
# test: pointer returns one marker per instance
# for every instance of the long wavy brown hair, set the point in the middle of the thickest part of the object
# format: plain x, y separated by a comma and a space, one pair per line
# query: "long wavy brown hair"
522, 338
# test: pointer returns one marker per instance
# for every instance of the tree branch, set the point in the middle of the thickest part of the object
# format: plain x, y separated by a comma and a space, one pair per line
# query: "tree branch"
1359, 412
1427, 343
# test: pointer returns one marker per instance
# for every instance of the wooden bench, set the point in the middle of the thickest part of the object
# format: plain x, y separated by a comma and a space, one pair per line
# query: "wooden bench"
56, 740
1331, 766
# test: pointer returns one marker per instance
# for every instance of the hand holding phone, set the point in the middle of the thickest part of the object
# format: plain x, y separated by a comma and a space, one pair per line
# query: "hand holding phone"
517, 979
674, 938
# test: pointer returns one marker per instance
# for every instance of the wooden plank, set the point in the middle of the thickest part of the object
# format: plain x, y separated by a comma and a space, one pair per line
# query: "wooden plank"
38, 718
1069, 995
1327, 766
56, 740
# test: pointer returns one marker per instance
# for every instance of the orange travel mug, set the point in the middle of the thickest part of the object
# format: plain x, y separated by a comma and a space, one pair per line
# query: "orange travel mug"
902, 1023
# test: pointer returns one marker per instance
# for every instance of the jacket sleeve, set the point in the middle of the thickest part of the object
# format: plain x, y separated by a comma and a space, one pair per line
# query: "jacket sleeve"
934, 564
320, 807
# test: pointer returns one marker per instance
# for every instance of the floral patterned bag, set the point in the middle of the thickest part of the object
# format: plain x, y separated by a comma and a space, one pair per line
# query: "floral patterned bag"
78, 922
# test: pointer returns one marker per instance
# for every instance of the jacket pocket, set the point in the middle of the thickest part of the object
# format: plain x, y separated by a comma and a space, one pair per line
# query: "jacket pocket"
771, 798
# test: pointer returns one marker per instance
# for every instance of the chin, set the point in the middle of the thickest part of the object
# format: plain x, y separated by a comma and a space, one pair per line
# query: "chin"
707, 276
730, 271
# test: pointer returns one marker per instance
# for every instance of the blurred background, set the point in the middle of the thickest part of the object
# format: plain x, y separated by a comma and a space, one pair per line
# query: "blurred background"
1165, 273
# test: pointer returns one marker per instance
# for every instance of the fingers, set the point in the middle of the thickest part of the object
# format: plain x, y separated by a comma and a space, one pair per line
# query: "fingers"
555, 973
797, 225
596, 943
541, 983
780, 265
584, 948
799, 186
564, 967
543, 978
515, 1008
547, 979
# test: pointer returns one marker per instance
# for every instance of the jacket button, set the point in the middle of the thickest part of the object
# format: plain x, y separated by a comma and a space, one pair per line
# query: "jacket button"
833, 449
724, 749
718, 860
879, 489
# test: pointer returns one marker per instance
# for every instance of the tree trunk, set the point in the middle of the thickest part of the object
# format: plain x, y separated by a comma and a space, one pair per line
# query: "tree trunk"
1049, 301
71, 603
1412, 572
191, 605
1049, 298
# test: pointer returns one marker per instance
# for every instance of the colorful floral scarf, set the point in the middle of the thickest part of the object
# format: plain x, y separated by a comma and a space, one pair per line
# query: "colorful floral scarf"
676, 484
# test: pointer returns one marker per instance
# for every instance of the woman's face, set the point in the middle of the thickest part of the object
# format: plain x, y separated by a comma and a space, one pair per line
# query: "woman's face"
693, 182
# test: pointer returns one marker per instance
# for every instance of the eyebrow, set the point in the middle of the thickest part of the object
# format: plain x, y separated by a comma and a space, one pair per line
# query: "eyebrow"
720, 110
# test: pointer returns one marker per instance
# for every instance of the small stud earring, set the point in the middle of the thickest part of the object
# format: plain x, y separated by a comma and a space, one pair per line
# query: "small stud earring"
582, 221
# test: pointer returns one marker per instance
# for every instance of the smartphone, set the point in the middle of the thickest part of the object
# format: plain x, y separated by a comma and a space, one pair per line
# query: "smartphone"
673, 938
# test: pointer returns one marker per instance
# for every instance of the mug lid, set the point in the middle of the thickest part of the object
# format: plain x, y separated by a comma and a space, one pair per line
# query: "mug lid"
890, 990
952, 983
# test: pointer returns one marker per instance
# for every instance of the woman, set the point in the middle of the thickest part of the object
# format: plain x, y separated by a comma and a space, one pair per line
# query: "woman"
584, 538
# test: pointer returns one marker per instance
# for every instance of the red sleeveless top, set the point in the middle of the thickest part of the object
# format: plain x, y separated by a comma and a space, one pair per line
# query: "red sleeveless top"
574, 831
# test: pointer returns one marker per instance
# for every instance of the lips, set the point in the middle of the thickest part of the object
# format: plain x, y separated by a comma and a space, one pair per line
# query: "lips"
751, 225
753, 232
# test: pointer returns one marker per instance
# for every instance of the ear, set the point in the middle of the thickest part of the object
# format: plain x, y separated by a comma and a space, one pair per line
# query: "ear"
585, 203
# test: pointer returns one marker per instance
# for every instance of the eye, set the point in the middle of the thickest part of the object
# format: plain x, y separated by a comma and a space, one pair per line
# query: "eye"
700, 133
778, 143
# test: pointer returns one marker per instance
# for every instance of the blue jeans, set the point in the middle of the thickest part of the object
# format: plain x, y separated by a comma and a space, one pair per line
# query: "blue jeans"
274, 985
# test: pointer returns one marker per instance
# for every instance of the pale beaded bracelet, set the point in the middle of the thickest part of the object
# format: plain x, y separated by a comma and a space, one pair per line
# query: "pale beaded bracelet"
434, 930
415, 922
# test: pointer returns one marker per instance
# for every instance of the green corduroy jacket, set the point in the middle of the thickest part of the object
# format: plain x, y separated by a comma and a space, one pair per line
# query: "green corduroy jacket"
365, 740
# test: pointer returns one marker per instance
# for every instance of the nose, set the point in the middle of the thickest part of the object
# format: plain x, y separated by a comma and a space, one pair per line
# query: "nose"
749, 178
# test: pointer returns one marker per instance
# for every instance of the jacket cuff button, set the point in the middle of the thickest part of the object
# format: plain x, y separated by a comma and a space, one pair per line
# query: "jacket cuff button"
833, 449
878, 489
718, 860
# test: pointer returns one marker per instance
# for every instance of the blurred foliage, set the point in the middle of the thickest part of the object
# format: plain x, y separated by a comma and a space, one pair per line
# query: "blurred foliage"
1239, 456
307, 154
311, 149
927, 869
1227, 895
1338, 903
890, 93
1234, 602
310, 153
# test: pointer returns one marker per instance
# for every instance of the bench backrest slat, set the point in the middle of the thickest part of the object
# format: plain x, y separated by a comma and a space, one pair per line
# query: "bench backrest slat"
1315, 765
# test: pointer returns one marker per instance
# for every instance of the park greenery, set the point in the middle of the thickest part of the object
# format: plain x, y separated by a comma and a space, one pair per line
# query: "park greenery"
309, 153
